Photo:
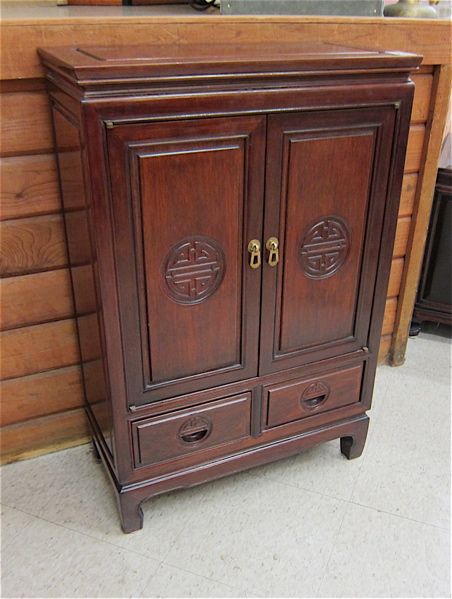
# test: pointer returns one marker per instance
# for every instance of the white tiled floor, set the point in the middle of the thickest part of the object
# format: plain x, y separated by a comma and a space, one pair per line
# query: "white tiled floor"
315, 525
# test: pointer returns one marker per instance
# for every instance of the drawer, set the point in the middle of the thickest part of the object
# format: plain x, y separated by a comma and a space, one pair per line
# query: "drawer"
302, 398
191, 430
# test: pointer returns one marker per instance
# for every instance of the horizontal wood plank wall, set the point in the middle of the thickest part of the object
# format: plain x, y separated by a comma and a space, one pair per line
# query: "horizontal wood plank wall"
29, 186
42, 400
41, 386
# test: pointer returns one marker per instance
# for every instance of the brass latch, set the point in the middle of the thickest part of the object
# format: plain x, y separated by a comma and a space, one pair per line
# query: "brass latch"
272, 246
254, 248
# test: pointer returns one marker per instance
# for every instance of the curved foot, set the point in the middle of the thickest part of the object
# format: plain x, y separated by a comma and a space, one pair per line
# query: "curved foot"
352, 446
130, 512
415, 328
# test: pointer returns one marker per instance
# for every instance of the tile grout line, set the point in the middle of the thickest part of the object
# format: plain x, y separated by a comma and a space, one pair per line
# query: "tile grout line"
163, 561
173, 544
89, 537
84, 534
332, 549
149, 581
204, 577
436, 526
279, 482
21, 530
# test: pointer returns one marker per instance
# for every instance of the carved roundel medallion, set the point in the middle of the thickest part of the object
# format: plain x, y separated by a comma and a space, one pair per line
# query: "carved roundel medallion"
324, 247
193, 270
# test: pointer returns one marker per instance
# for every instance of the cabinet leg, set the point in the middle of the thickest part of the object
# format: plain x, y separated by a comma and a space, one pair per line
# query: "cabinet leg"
415, 328
95, 449
130, 512
352, 445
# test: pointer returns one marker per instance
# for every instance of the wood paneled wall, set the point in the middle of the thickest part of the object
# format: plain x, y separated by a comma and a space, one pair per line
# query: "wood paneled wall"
41, 386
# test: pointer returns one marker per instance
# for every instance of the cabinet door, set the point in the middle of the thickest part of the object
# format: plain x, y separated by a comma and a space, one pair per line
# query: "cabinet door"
187, 200
327, 175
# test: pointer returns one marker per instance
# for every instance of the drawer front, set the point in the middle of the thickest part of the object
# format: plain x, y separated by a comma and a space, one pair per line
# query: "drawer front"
191, 430
299, 399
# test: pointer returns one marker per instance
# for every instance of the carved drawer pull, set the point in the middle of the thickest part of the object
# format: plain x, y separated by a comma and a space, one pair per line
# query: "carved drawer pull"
195, 430
315, 395
194, 437
314, 401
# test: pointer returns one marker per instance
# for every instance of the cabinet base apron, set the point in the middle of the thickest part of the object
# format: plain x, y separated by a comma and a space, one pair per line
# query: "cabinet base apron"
352, 434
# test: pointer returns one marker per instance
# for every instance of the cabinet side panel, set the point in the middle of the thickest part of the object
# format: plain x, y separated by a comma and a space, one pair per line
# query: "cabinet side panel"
83, 273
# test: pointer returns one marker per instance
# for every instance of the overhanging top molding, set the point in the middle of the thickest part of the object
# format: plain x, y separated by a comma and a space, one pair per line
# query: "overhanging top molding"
89, 66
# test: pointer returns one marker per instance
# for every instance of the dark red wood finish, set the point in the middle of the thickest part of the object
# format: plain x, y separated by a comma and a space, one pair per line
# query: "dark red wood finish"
87, 300
205, 365
302, 398
188, 186
192, 430
325, 203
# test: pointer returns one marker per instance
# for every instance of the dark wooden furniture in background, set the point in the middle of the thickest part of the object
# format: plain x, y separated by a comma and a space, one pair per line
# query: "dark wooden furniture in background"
231, 254
434, 301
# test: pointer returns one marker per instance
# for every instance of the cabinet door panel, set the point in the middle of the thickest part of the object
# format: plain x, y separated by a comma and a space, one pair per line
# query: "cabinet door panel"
196, 201
322, 168
192, 259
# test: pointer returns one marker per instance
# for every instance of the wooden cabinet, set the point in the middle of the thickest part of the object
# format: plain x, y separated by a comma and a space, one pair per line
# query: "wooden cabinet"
231, 251
434, 298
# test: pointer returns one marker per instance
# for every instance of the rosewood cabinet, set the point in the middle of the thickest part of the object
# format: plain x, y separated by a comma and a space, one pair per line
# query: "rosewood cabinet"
230, 214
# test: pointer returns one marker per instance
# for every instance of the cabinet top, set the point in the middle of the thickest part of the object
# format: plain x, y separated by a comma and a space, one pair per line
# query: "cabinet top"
87, 65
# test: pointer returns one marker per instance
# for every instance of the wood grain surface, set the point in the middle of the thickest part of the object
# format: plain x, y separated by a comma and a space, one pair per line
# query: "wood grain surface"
29, 186
36, 298
25, 125
41, 394
32, 244
38, 348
